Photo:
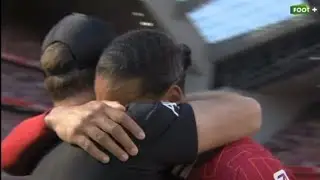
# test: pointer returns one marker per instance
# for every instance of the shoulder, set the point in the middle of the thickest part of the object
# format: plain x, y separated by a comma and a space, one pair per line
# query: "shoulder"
19, 140
35, 122
33, 126
245, 159
240, 152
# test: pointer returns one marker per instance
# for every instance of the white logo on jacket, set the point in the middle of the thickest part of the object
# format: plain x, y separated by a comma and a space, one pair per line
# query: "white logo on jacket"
280, 175
172, 106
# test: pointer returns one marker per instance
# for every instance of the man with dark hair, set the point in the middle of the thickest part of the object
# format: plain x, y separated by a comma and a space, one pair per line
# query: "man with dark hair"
69, 65
154, 72
70, 51
62, 82
150, 72
142, 70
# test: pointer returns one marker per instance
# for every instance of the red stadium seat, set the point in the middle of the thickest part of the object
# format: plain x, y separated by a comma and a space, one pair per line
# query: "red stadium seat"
306, 173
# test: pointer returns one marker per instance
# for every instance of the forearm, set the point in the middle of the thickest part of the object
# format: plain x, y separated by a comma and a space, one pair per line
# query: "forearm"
217, 94
223, 117
20, 149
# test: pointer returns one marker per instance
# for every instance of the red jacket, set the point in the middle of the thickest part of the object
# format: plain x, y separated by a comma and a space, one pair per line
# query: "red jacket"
242, 160
25, 145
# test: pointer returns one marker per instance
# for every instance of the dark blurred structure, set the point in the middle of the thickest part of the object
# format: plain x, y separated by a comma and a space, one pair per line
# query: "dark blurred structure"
299, 144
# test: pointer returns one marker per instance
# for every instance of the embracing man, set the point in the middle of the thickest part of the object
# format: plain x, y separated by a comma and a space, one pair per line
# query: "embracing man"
144, 70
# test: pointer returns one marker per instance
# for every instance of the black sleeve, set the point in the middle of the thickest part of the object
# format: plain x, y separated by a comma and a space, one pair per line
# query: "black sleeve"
171, 139
171, 134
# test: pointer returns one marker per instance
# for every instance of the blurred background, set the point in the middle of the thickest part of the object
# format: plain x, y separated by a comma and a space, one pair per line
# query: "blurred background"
255, 47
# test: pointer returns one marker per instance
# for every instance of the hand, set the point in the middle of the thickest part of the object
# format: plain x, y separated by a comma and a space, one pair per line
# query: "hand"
96, 122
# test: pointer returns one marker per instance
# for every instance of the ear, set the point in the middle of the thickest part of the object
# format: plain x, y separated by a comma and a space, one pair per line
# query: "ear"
174, 94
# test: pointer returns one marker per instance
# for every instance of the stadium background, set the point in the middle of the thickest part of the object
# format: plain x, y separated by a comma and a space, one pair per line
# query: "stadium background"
277, 64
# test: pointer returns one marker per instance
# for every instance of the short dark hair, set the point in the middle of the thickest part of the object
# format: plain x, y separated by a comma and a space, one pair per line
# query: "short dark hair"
70, 53
149, 55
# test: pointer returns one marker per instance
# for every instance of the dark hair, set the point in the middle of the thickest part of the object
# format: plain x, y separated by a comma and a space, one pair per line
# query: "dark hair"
187, 62
149, 55
71, 51
62, 80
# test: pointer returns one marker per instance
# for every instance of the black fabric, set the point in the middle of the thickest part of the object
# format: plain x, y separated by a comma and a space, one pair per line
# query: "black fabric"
170, 140
206, 156
86, 36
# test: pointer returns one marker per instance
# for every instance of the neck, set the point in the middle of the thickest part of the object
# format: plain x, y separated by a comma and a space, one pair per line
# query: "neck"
79, 99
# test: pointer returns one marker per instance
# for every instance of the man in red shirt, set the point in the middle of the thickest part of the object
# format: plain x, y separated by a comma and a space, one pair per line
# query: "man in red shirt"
18, 149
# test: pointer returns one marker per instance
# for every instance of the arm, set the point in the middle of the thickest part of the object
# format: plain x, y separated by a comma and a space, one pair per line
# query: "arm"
23, 147
171, 139
29, 141
216, 125
223, 117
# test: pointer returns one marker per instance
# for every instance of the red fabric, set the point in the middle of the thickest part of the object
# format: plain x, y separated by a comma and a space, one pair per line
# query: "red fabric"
21, 60
21, 138
243, 160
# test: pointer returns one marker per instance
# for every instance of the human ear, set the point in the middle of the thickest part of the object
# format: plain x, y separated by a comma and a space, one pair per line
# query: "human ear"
174, 94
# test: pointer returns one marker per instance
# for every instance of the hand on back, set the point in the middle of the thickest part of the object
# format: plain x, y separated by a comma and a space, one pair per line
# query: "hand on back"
96, 123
